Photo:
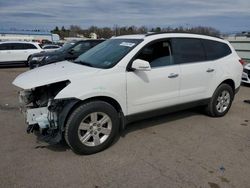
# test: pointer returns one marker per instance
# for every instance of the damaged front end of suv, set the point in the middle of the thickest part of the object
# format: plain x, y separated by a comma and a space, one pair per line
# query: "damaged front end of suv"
48, 96
46, 115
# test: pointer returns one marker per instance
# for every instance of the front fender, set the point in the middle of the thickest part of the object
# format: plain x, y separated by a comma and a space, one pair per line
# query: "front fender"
112, 85
92, 94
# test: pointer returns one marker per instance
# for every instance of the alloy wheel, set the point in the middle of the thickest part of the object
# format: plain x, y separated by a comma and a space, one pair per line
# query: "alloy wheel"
95, 129
223, 101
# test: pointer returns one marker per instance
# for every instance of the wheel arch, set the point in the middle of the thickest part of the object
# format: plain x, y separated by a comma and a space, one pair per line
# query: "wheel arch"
107, 99
75, 103
230, 82
28, 59
27, 62
210, 108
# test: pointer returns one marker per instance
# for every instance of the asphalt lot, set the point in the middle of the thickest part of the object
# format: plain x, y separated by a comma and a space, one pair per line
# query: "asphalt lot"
184, 149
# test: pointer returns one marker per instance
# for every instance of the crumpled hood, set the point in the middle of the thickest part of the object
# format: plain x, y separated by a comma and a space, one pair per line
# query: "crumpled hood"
52, 73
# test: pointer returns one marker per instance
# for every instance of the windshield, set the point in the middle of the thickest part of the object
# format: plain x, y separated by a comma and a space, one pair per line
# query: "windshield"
66, 46
108, 53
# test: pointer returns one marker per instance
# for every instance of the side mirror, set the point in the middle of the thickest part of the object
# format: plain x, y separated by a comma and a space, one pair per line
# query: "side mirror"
141, 65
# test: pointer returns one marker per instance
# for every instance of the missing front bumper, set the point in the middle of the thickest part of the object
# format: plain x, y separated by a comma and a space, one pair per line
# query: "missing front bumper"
43, 123
41, 116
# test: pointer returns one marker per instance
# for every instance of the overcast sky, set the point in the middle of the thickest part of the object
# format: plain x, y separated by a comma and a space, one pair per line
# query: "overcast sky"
225, 15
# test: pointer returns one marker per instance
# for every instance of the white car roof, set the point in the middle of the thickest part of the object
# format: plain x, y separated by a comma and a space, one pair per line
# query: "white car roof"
25, 42
170, 35
50, 45
139, 36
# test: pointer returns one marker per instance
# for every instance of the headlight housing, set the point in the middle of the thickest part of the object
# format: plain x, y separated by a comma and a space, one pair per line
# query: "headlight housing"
38, 58
40, 96
25, 97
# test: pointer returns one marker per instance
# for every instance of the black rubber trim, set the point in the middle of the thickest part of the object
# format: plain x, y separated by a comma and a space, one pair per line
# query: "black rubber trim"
12, 63
237, 90
62, 116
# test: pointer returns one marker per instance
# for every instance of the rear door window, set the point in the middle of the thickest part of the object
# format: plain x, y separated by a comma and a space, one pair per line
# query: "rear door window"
22, 46
17, 46
215, 50
187, 50
29, 46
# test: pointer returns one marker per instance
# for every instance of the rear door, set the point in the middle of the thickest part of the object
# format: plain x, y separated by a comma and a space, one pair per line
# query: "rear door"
18, 52
196, 72
26, 50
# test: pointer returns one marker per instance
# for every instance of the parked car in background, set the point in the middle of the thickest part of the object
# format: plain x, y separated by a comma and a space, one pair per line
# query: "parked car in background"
50, 47
16, 52
127, 78
246, 74
70, 51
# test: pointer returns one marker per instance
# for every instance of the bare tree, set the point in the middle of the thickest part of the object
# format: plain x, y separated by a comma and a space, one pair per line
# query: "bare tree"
107, 32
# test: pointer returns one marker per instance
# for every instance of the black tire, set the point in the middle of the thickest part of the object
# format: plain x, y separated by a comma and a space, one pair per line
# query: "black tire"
75, 119
27, 62
211, 108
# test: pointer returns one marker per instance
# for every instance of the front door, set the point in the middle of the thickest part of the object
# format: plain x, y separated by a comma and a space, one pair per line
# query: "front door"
157, 88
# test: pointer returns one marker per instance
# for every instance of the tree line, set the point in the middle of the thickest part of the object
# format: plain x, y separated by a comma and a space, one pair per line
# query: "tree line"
107, 32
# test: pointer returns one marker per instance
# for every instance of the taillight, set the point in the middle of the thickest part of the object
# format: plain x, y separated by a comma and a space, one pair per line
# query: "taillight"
242, 62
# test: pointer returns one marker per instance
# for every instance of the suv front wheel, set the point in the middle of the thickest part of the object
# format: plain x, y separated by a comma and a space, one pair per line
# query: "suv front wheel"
221, 101
92, 127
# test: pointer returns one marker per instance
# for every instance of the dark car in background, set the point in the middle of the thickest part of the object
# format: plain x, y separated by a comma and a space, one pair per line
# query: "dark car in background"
70, 51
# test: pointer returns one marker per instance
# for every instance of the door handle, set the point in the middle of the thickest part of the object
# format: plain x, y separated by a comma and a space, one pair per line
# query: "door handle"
210, 70
173, 75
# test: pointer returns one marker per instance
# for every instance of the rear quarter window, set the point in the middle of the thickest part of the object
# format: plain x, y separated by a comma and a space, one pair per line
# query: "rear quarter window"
215, 50
29, 46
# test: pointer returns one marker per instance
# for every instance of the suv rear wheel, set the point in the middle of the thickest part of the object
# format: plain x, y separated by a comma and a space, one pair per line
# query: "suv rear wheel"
92, 127
221, 101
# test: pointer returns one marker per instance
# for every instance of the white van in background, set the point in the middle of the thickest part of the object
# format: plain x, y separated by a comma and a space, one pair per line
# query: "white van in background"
17, 52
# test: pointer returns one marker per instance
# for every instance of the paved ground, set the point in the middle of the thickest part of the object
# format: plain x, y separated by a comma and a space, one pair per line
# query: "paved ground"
184, 149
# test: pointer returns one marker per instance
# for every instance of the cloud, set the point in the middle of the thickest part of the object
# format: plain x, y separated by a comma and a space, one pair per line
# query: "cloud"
225, 15
30, 14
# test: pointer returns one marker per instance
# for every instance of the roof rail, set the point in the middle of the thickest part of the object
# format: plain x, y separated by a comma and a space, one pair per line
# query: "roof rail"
180, 32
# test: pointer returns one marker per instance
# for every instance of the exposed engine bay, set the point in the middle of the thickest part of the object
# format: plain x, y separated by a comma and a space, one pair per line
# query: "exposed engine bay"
43, 111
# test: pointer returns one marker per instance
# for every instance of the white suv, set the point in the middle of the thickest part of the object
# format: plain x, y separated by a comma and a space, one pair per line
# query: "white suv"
12, 53
128, 78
